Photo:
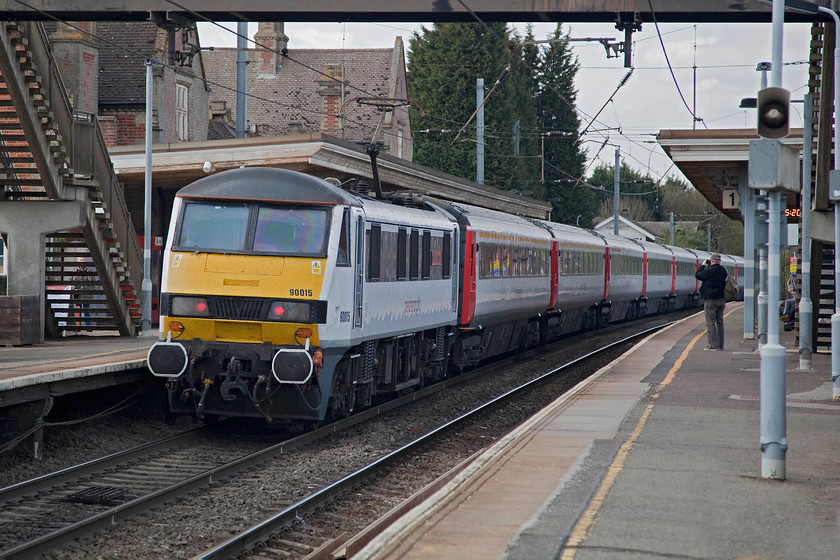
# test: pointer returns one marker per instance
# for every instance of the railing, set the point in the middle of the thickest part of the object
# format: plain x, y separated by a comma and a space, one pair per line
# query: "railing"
52, 84
114, 201
97, 165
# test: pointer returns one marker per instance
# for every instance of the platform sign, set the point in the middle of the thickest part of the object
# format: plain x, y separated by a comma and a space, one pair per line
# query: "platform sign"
731, 199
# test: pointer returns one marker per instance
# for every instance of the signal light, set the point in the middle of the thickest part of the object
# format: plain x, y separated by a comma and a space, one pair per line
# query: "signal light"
773, 112
201, 307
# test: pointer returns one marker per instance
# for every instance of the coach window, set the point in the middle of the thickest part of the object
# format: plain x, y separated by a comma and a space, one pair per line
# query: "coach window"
447, 255
426, 256
374, 247
414, 255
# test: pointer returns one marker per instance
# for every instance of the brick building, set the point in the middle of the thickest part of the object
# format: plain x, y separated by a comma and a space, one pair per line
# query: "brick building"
104, 71
314, 90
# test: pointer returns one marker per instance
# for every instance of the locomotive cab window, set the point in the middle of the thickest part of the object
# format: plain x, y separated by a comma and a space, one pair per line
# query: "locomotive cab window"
343, 258
214, 227
291, 230
240, 228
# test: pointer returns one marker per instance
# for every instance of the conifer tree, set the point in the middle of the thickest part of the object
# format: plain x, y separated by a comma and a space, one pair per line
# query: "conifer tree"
563, 164
444, 62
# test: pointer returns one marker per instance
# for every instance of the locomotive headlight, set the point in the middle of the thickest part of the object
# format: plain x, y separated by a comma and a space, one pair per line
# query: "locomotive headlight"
290, 311
292, 365
190, 307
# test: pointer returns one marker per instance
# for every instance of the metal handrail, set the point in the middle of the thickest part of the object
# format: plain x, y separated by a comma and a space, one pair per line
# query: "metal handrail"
113, 199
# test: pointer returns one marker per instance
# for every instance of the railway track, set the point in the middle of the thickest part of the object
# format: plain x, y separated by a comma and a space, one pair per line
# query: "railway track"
290, 534
43, 514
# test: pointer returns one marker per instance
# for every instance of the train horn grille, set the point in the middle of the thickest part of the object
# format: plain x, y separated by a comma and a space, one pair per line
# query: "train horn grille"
245, 309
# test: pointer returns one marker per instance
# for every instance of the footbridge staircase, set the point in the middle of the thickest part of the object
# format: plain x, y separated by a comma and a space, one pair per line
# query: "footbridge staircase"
61, 204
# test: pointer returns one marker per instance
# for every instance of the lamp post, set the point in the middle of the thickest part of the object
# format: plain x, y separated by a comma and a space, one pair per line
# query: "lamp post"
242, 79
806, 307
146, 292
616, 187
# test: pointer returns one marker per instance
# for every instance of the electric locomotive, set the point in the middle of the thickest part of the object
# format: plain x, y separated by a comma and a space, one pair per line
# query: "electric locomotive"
284, 296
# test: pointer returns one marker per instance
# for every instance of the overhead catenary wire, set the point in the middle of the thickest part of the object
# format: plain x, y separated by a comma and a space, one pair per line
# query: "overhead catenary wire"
618, 87
668, 61
282, 52
502, 77
553, 89
142, 56
316, 71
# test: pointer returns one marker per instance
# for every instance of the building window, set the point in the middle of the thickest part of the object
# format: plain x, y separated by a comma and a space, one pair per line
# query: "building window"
182, 93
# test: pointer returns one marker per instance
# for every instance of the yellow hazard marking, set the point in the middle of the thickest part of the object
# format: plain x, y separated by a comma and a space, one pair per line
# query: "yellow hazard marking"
583, 527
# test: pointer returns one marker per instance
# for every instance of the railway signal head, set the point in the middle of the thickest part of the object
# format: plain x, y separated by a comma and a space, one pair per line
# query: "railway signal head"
773, 112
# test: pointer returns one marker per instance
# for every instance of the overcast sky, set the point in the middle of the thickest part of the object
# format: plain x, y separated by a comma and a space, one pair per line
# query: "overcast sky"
725, 56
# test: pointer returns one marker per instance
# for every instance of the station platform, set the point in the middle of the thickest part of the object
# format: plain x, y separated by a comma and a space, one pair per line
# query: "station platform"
656, 456
72, 364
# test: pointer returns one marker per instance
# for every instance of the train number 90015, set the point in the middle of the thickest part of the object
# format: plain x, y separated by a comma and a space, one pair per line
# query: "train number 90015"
294, 292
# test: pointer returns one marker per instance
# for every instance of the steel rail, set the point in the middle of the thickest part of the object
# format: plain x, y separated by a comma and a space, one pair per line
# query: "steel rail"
248, 540
39, 484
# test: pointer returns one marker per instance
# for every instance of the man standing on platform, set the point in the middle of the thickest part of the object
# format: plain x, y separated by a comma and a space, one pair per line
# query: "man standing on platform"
713, 277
